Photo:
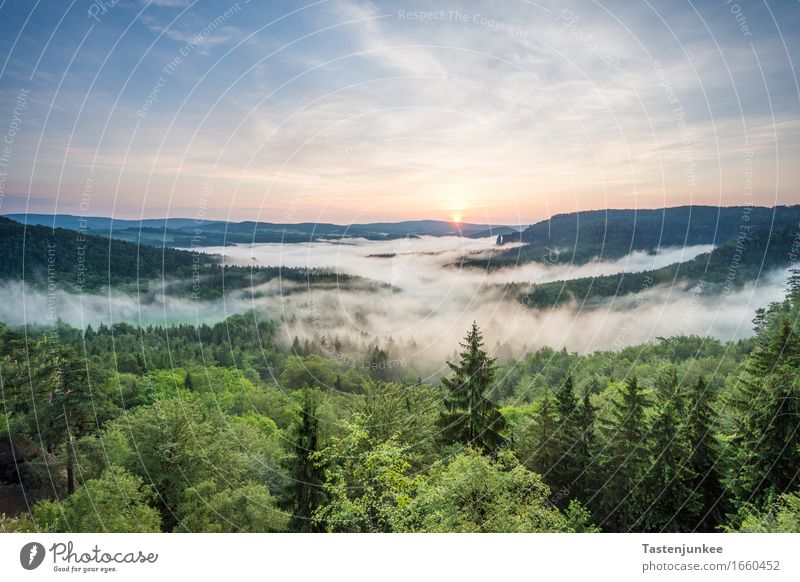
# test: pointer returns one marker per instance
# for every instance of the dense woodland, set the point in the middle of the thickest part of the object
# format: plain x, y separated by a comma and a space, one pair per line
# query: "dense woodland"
220, 429
76, 261
580, 237
753, 255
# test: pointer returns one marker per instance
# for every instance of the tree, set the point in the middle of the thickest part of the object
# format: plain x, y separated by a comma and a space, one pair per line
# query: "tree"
407, 413
368, 483
767, 411
70, 408
469, 416
473, 493
567, 463
585, 448
117, 502
668, 499
306, 473
299, 372
174, 444
539, 446
703, 459
248, 507
783, 516
624, 459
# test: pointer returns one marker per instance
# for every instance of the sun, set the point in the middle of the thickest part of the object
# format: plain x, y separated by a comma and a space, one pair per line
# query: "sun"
457, 218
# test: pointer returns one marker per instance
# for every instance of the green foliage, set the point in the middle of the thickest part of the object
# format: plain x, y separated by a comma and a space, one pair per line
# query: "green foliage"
194, 432
579, 237
704, 460
624, 458
116, 502
246, 507
407, 413
89, 262
782, 516
472, 493
368, 483
299, 372
306, 472
470, 417
766, 404
707, 274
669, 501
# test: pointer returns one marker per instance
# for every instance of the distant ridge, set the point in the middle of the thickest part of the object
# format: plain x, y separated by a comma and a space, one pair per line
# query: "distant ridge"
187, 232
579, 237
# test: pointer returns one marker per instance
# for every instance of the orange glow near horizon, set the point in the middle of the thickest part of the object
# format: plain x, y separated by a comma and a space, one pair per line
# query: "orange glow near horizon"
457, 218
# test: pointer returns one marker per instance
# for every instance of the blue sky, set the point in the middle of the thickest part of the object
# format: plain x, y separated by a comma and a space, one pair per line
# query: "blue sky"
350, 111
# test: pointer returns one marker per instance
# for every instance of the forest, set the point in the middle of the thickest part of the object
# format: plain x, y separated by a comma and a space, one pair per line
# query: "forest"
745, 259
76, 261
581, 237
228, 428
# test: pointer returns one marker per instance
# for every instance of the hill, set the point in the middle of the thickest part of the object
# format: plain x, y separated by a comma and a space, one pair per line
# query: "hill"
580, 237
65, 258
739, 261
186, 232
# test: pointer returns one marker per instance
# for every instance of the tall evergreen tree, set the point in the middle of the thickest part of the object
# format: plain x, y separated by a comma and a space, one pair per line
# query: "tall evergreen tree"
567, 466
585, 448
768, 413
669, 500
306, 473
539, 451
469, 416
624, 459
703, 459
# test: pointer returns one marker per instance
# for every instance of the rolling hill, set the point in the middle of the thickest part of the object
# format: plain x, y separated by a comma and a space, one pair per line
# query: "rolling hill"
580, 237
186, 232
67, 259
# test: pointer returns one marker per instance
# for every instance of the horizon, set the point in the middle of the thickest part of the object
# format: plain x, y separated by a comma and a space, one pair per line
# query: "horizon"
463, 221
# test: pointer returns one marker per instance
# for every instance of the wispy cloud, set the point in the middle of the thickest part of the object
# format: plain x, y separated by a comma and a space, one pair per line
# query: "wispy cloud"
351, 109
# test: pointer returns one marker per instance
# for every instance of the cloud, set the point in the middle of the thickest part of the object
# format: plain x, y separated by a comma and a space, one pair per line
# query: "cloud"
506, 109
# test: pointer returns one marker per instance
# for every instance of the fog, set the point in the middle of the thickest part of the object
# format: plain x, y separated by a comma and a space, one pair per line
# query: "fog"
425, 301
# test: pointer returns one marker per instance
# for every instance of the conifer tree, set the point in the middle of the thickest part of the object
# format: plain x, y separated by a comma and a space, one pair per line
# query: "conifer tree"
768, 414
469, 416
703, 459
567, 465
66, 381
306, 473
540, 452
669, 499
624, 459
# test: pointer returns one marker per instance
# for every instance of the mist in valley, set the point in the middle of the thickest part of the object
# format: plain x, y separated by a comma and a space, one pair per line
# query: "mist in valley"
415, 296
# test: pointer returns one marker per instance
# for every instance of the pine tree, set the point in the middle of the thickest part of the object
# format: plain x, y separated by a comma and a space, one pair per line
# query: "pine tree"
540, 453
67, 381
669, 500
296, 349
567, 465
469, 416
624, 459
703, 459
768, 436
585, 448
306, 473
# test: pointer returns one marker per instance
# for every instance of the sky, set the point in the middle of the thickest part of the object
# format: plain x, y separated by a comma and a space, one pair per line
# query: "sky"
355, 111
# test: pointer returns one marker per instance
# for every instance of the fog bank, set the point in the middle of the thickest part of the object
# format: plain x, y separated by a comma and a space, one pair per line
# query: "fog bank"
427, 301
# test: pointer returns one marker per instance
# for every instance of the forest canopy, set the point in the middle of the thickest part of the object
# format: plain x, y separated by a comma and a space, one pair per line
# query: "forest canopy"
220, 428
